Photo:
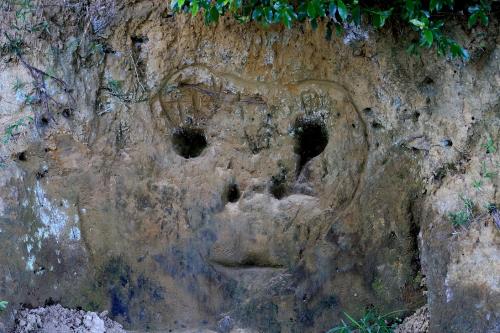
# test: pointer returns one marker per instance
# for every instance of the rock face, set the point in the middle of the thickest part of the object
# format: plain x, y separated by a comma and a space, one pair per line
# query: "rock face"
227, 178
56, 319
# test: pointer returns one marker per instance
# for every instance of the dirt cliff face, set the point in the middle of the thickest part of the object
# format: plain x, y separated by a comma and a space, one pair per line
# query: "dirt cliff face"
231, 176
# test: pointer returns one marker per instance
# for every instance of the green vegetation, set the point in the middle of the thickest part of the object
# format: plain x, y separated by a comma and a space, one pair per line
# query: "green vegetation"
490, 146
3, 305
371, 322
13, 129
462, 217
427, 18
488, 172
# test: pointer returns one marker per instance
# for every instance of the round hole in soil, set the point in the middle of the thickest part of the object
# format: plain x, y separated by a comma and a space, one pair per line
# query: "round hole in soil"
44, 121
189, 142
311, 138
233, 193
66, 113
22, 156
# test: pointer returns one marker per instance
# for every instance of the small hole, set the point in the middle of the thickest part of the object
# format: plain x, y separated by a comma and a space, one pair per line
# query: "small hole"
416, 116
44, 121
66, 113
233, 193
279, 187
427, 80
377, 125
22, 156
189, 142
447, 143
310, 140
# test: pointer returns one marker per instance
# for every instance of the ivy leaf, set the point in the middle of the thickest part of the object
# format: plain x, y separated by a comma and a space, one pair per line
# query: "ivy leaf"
195, 7
342, 9
458, 51
356, 15
472, 21
3, 305
332, 9
180, 3
286, 20
312, 9
257, 14
212, 15
484, 19
428, 37
419, 24
269, 15
474, 9
379, 17
314, 24
435, 5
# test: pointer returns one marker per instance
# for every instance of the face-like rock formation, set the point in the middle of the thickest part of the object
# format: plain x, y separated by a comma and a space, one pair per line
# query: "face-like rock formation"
231, 176
239, 202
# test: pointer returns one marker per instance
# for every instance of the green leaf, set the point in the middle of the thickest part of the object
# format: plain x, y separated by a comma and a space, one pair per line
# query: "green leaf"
314, 24
269, 15
195, 7
435, 5
3, 305
428, 37
286, 20
418, 23
472, 20
474, 9
332, 9
257, 14
356, 15
379, 17
180, 3
342, 9
484, 19
212, 15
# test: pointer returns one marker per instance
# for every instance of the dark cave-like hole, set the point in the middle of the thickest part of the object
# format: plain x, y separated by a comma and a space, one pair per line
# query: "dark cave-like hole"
310, 140
189, 142
67, 113
233, 193
447, 143
22, 156
44, 121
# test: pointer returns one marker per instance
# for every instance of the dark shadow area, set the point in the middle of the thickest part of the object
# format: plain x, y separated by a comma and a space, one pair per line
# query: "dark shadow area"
189, 142
311, 138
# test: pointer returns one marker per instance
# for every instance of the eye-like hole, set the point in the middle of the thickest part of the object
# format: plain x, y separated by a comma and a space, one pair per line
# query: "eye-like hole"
233, 193
189, 142
311, 138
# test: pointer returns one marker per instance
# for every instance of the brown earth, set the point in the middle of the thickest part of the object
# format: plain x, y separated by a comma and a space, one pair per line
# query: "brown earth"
230, 176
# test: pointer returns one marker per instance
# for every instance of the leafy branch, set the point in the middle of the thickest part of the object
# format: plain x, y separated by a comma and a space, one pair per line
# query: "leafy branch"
421, 16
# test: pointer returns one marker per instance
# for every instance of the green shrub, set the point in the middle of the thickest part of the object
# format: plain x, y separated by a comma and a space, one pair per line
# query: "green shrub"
371, 322
425, 17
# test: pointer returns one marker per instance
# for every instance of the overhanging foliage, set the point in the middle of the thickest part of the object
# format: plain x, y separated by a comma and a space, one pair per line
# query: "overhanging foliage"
427, 17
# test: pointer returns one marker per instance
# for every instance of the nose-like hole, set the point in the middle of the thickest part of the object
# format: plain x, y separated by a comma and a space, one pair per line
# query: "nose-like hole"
189, 142
279, 185
311, 138
22, 156
233, 193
